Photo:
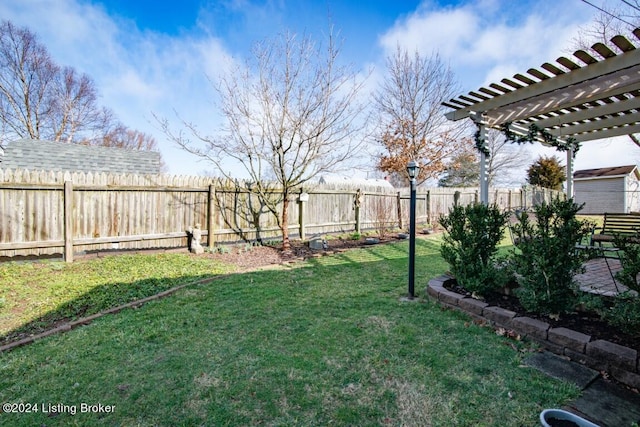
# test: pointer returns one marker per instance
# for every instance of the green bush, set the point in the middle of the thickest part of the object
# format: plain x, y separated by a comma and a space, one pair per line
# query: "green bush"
546, 259
472, 234
630, 261
625, 312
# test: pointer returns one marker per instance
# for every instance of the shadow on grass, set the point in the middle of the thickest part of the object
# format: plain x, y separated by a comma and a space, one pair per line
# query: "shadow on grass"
112, 297
102, 299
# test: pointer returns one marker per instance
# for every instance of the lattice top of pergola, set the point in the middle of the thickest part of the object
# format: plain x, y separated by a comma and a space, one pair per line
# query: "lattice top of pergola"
585, 97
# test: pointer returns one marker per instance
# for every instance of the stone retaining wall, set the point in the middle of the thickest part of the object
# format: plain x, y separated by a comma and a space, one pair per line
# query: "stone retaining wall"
621, 363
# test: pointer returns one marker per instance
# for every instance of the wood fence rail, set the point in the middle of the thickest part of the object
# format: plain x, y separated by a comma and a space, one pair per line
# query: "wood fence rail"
51, 213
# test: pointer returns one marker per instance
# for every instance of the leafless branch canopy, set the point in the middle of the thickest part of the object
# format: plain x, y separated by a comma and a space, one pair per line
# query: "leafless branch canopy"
611, 19
41, 100
291, 112
411, 118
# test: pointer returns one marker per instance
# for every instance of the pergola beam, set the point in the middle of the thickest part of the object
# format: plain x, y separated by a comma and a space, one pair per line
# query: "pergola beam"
599, 126
608, 133
591, 113
570, 97
597, 70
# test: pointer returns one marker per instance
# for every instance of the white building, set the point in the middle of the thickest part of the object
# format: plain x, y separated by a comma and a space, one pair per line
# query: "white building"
612, 189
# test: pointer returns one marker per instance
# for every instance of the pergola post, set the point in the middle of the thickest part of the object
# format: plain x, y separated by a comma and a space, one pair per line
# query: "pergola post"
484, 161
484, 178
569, 173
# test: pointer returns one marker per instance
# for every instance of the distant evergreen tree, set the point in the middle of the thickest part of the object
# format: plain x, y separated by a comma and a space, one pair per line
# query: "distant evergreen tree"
547, 172
462, 171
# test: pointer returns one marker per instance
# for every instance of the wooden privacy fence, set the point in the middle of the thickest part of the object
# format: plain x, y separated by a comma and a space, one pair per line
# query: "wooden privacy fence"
51, 213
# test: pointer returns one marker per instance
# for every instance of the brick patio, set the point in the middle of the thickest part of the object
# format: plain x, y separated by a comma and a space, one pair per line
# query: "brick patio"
597, 277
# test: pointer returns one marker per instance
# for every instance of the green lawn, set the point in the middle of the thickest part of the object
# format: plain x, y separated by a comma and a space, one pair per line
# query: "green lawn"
324, 342
33, 296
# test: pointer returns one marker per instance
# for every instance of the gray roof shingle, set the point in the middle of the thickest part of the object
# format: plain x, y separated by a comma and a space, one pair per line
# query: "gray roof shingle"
604, 172
59, 156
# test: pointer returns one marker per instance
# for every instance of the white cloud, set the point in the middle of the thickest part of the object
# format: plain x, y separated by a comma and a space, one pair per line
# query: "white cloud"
445, 31
479, 39
137, 73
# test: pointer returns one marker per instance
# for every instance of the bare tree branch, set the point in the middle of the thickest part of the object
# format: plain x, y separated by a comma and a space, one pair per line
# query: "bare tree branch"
613, 18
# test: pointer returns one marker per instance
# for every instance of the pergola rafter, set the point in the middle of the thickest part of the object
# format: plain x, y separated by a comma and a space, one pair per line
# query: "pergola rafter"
587, 97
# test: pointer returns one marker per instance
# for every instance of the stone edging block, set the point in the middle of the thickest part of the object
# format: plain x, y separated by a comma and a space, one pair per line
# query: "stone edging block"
531, 327
621, 356
569, 338
499, 315
473, 305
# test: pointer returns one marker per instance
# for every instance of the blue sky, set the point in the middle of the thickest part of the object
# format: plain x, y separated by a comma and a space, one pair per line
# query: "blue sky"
157, 57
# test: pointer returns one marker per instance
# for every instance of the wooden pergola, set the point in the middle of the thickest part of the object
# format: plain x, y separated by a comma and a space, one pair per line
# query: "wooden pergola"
592, 96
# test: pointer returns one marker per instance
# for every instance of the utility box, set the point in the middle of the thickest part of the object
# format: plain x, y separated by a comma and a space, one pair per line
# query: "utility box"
317, 243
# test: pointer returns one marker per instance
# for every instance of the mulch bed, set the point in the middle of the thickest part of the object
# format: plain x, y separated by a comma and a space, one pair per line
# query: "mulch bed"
261, 256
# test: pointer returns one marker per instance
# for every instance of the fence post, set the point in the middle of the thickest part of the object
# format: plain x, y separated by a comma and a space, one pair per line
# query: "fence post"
427, 201
356, 207
68, 220
399, 208
302, 199
210, 216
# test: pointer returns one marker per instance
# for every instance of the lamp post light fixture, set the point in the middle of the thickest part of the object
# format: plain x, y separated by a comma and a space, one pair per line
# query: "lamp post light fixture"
412, 170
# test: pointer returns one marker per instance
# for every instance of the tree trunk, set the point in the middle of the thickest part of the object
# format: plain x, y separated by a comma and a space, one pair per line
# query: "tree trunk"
284, 224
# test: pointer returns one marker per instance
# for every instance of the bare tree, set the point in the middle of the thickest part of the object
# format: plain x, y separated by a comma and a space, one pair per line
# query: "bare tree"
463, 168
122, 137
611, 19
505, 158
411, 118
27, 79
75, 113
291, 114
40, 100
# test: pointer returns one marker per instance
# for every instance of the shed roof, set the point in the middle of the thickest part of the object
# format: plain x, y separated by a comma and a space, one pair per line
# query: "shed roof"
610, 172
354, 181
61, 156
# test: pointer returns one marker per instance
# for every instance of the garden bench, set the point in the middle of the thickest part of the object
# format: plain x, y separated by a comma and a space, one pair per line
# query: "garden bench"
617, 224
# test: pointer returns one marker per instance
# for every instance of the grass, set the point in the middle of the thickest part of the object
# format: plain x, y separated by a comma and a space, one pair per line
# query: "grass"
324, 342
33, 296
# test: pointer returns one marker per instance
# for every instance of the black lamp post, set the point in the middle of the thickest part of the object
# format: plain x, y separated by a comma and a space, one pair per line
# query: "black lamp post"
412, 171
